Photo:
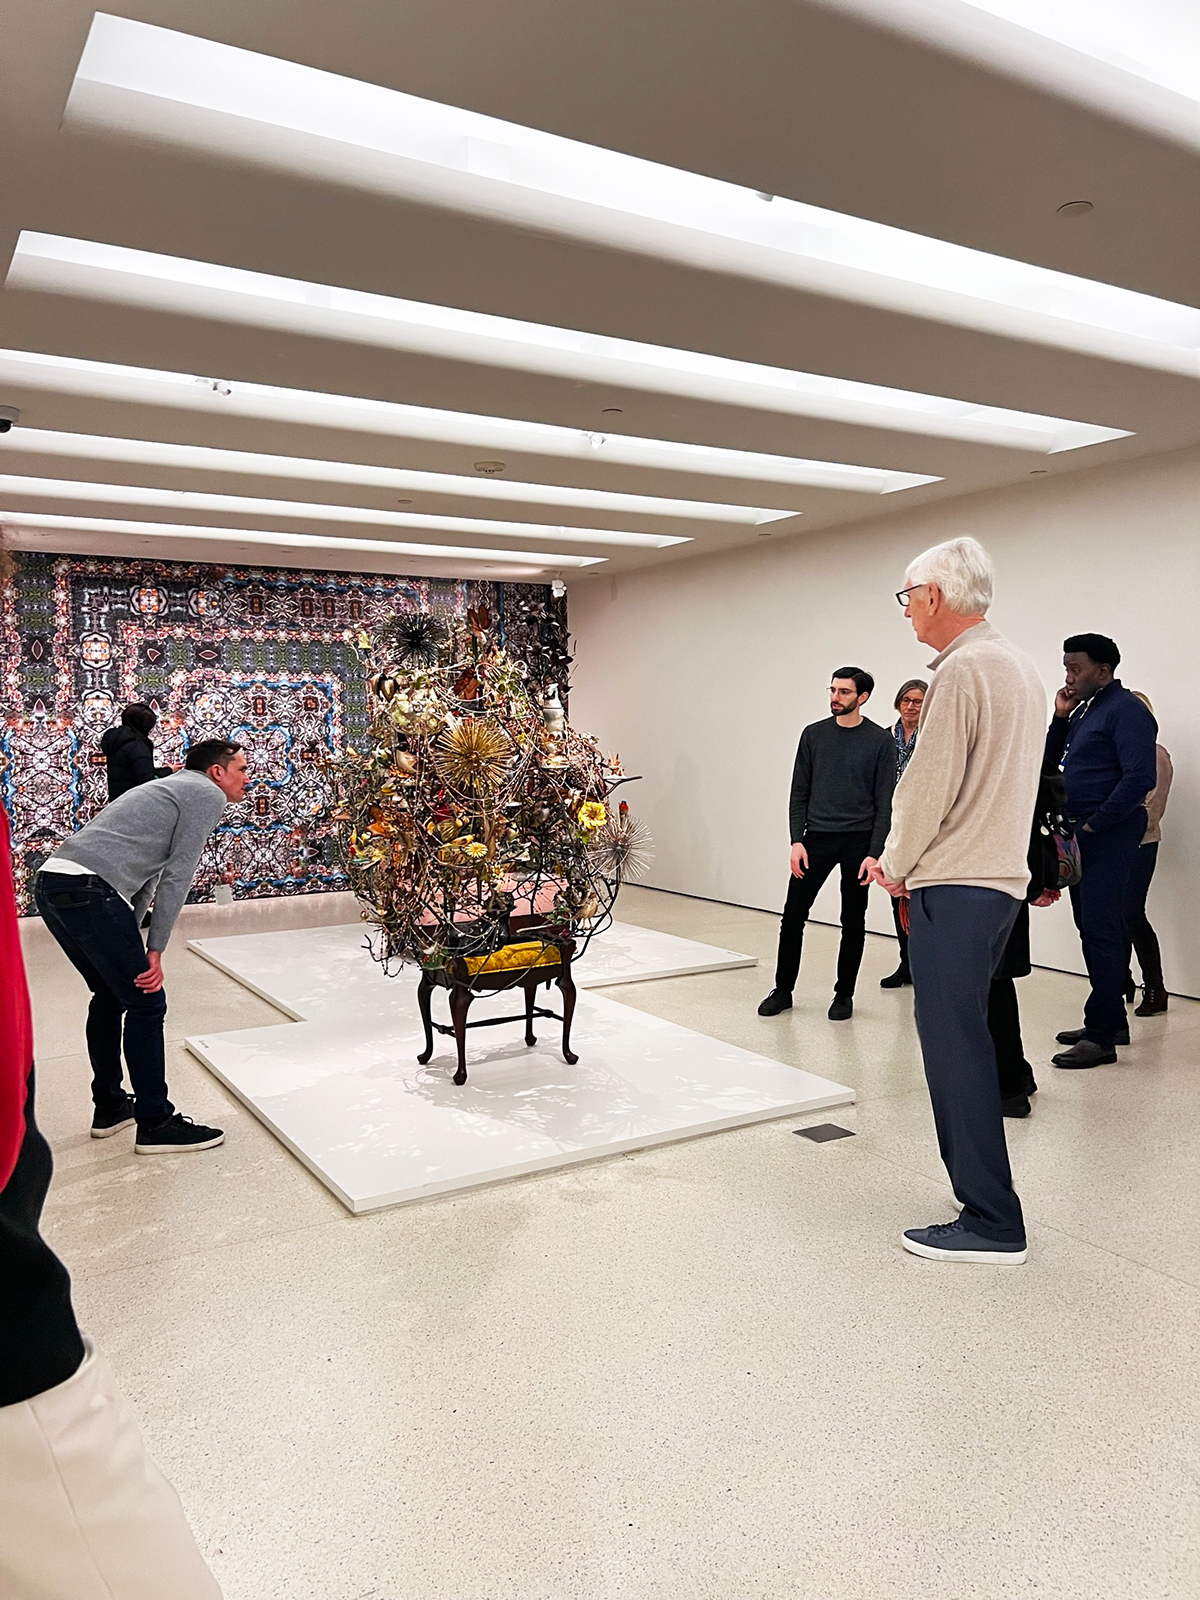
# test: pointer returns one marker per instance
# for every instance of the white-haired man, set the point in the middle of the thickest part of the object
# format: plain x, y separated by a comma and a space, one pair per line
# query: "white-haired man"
958, 848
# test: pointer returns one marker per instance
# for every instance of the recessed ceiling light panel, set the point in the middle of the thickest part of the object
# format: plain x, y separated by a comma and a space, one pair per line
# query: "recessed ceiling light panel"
248, 463
104, 380
534, 560
112, 273
157, 83
234, 504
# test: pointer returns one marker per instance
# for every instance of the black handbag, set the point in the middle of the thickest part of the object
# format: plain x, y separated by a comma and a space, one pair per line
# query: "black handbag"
1055, 862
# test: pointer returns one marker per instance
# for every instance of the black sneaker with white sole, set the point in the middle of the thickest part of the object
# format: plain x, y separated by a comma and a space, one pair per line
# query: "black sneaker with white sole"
953, 1241
176, 1134
106, 1123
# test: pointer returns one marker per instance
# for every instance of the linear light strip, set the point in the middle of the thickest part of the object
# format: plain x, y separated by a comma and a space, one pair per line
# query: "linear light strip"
1136, 63
156, 83
103, 380
114, 274
252, 505
538, 559
201, 458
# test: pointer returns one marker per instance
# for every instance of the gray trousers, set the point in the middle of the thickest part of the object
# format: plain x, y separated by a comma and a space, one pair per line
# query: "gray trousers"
956, 937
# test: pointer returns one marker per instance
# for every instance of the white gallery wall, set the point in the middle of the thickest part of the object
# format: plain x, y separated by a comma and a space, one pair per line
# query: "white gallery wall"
702, 673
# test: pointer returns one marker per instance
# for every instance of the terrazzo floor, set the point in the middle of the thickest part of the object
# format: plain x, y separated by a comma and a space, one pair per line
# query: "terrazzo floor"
703, 1370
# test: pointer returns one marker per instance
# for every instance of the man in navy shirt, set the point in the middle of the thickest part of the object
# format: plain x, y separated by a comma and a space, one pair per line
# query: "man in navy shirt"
1103, 738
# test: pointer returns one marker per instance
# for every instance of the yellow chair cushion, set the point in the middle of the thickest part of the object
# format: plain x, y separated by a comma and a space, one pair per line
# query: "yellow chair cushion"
514, 958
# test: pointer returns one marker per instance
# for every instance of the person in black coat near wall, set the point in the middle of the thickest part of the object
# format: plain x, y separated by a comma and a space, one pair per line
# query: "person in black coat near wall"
128, 752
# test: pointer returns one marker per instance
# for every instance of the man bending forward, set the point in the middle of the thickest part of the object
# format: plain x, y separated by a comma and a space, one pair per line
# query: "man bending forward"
93, 893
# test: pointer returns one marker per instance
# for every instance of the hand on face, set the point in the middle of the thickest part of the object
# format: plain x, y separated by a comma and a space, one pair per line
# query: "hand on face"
1065, 702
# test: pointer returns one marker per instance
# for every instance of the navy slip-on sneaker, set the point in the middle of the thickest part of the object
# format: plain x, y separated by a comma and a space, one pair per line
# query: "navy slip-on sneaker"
953, 1241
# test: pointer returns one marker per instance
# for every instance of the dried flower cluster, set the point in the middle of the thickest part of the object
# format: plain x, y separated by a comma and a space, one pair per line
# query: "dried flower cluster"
478, 815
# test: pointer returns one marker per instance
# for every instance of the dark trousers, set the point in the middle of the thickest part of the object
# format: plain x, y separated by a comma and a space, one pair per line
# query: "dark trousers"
1139, 935
826, 851
1013, 1072
901, 932
40, 1345
99, 935
1098, 902
956, 938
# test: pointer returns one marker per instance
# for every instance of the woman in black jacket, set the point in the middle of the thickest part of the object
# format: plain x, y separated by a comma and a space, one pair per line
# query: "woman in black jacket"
128, 751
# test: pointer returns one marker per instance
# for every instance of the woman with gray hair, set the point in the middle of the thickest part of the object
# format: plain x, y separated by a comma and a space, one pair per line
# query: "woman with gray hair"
910, 697
958, 849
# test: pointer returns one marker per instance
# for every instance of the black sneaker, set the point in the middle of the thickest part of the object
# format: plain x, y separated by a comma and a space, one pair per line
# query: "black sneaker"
778, 1000
176, 1134
841, 1010
106, 1123
900, 979
952, 1241
1016, 1105
1077, 1035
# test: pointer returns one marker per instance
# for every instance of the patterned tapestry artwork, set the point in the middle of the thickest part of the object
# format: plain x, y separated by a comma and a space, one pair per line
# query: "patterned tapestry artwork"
260, 655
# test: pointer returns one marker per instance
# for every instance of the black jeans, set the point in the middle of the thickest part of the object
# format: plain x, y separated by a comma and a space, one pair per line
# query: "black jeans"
1139, 935
957, 936
901, 933
826, 851
40, 1344
1098, 902
99, 935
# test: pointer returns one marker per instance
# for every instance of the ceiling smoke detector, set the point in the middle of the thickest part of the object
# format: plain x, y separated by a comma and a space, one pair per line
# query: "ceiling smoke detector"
489, 468
9, 417
1075, 208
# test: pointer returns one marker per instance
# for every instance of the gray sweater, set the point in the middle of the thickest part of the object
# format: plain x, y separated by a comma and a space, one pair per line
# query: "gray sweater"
147, 844
842, 781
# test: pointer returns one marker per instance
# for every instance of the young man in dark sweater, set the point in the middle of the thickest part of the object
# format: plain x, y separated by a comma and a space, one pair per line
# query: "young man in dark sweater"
1103, 738
841, 809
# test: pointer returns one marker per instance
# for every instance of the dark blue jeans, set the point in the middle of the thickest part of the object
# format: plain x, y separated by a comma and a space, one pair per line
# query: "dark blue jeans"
1098, 902
99, 935
956, 938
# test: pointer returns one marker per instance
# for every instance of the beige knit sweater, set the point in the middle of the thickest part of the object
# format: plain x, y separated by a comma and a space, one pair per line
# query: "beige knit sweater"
963, 810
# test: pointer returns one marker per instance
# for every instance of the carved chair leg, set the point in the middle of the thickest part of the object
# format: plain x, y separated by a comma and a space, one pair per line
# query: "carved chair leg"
566, 986
531, 985
424, 990
460, 1004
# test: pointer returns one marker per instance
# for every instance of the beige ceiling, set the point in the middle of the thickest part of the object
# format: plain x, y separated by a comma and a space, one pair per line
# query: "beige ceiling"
773, 94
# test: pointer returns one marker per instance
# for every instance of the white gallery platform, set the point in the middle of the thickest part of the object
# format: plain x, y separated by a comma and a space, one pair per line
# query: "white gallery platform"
342, 1089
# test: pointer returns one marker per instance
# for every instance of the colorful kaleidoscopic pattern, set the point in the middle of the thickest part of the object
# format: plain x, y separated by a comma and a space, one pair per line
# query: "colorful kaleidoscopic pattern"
253, 654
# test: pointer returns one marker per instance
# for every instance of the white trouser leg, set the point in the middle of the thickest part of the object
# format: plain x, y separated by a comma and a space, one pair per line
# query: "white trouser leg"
84, 1512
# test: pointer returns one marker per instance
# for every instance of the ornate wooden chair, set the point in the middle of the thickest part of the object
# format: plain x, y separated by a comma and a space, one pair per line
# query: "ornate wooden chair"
522, 963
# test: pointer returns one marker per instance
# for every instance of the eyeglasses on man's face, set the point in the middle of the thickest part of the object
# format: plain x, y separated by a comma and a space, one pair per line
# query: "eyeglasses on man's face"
904, 595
